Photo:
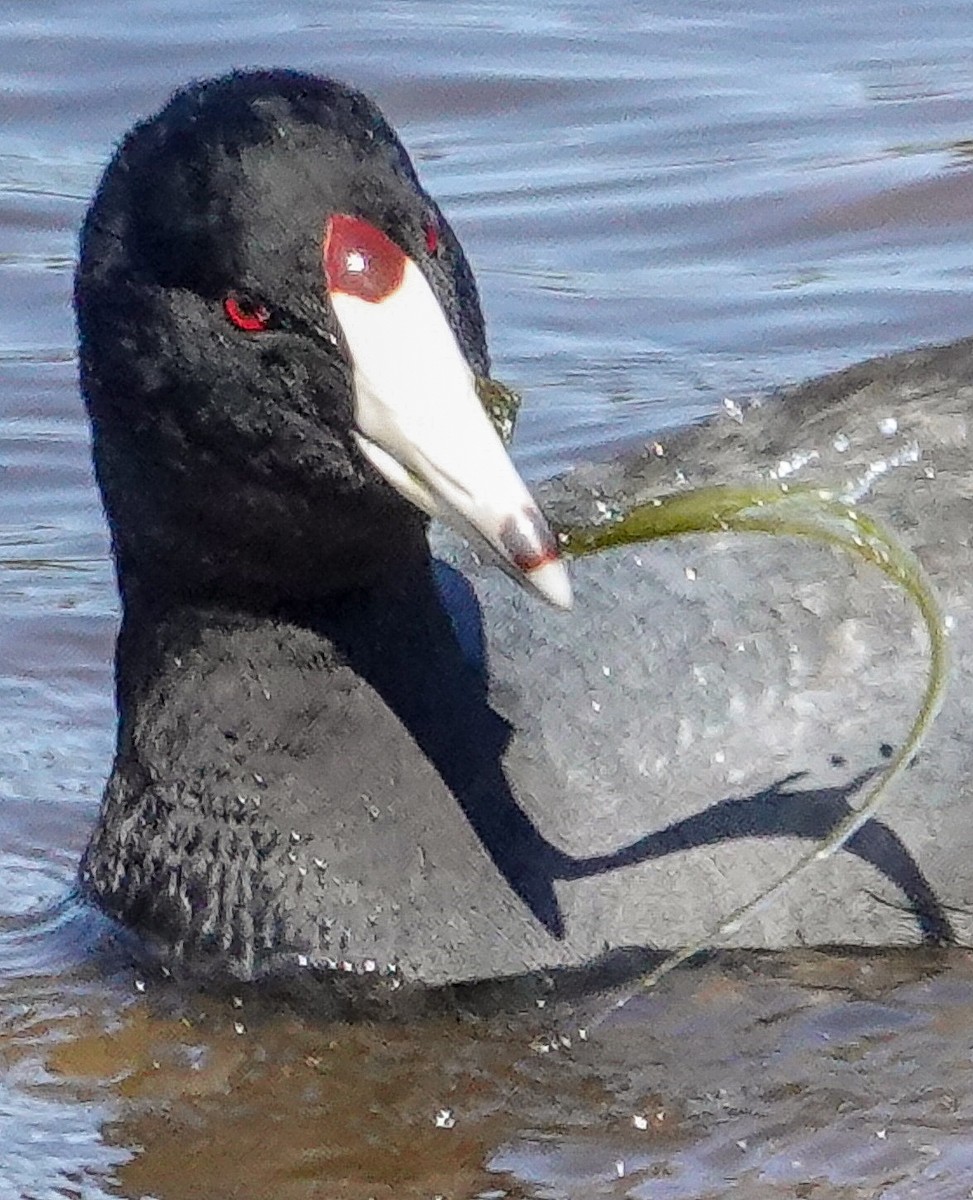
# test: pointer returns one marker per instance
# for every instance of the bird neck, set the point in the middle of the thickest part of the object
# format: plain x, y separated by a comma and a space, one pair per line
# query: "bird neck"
392, 630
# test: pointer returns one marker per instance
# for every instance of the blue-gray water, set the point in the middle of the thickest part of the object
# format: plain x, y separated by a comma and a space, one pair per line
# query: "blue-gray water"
666, 205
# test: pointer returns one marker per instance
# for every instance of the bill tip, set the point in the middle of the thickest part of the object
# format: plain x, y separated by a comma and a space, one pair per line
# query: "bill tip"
550, 579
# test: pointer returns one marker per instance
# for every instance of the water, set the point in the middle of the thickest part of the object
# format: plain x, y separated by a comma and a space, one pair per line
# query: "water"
664, 208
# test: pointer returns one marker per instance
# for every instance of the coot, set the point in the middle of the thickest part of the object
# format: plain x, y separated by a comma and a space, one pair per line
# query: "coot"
343, 759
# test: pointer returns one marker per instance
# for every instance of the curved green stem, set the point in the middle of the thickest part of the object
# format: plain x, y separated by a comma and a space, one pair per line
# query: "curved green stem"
823, 516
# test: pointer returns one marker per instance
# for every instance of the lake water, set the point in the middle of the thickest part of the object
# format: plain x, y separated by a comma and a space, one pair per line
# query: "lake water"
666, 205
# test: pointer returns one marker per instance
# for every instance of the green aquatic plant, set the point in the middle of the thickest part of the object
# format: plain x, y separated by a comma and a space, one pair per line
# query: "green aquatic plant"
802, 512
784, 510
501, 404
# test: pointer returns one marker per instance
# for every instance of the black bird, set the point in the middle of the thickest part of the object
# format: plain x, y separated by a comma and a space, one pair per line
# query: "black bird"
340, 758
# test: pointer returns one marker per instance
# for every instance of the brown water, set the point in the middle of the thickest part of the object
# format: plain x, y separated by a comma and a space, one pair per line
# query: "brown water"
664, 208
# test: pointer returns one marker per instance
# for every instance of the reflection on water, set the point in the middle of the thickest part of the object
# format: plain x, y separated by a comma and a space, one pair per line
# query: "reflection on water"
804, 1075
665, 207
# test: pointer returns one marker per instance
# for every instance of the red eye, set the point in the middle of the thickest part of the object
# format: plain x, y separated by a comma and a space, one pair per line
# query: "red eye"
432, 237
249, 315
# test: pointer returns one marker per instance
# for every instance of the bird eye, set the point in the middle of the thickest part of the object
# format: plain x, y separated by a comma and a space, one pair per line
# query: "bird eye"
246, 313
432, 236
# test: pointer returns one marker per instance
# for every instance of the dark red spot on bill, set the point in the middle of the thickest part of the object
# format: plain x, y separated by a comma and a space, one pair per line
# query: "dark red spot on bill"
528, 542
360, 260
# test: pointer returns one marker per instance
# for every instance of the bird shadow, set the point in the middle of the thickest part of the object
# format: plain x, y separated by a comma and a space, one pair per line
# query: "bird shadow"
426, 657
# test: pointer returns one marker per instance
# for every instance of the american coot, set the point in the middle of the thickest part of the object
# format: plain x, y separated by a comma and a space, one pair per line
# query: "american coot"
340, 757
